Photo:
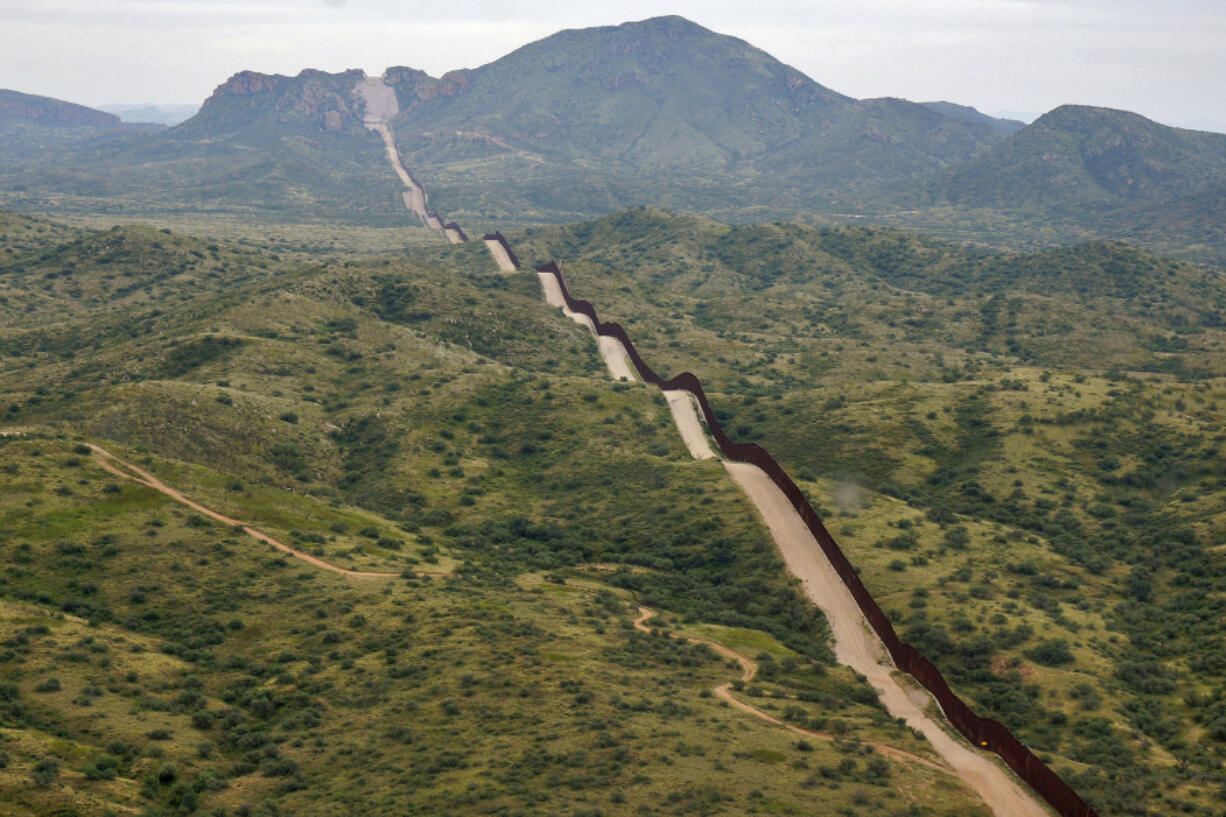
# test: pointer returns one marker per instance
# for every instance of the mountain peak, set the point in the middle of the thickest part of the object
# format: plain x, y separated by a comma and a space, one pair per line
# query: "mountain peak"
671, 24
1073, 115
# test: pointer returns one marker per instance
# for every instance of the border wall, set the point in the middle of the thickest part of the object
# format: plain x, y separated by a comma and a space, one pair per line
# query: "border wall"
498, 238
985, 733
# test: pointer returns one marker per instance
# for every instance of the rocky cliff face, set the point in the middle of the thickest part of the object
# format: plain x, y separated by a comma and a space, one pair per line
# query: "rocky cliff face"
44, 110
414, 87
322, 101
248, 82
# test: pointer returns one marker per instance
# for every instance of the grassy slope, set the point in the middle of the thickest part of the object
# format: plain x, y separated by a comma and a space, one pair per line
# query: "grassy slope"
1016, 450
364, 412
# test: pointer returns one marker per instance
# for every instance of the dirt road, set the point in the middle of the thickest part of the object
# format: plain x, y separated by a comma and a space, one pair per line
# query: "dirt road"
381, 108
501, 258
858, 647
127, 470
611, 349
685, 416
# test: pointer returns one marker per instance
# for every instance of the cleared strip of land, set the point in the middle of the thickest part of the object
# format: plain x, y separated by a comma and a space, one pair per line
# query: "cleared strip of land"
611, 349
856, 646
685, 416
381, 108
501, 258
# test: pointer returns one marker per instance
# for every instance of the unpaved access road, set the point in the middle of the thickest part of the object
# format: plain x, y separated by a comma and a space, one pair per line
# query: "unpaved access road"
381, 108
856, 646
501, 258
127, 470
685, 416
611, 349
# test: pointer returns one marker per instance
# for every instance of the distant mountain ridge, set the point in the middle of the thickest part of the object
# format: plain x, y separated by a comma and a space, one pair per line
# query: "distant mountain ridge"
585, 121
1006, 126
45, 110
1077, 154
159, 114
666, 93
660, 112
32, 126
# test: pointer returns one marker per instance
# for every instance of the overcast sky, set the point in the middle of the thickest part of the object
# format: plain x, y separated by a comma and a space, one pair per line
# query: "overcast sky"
1165, 59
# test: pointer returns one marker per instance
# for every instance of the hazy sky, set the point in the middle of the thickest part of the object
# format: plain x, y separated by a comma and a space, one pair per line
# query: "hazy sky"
1165, 59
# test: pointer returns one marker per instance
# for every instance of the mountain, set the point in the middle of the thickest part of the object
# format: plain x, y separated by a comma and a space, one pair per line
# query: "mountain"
44, 110
1078, 155
1005, 126
659, 112
582, 122
160, 114
661, 92
669, 112
32, 125
271, 142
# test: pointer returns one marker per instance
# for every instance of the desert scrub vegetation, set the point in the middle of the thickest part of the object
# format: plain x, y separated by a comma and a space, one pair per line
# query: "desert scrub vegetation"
188, 672
1021, 453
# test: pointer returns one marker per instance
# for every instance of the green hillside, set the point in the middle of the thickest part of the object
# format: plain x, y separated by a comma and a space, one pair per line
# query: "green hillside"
1022, 454
1078, 155
288, 147
435, 422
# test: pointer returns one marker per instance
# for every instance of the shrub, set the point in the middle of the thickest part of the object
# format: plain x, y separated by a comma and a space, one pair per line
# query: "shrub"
45, 771
1052, 652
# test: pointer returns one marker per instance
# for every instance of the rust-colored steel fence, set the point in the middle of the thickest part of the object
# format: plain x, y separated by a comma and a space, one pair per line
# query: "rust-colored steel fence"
985, 733
501, 239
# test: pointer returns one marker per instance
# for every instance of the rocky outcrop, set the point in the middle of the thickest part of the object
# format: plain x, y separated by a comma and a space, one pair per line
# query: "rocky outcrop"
414, 87
325, 100
248, 82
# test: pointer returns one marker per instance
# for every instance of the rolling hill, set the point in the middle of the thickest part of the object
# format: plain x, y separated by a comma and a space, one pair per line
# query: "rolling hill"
1021, 453
433, 424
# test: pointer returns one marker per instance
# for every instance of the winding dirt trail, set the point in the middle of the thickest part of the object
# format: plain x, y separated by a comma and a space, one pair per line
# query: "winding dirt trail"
749, 671
134, 473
